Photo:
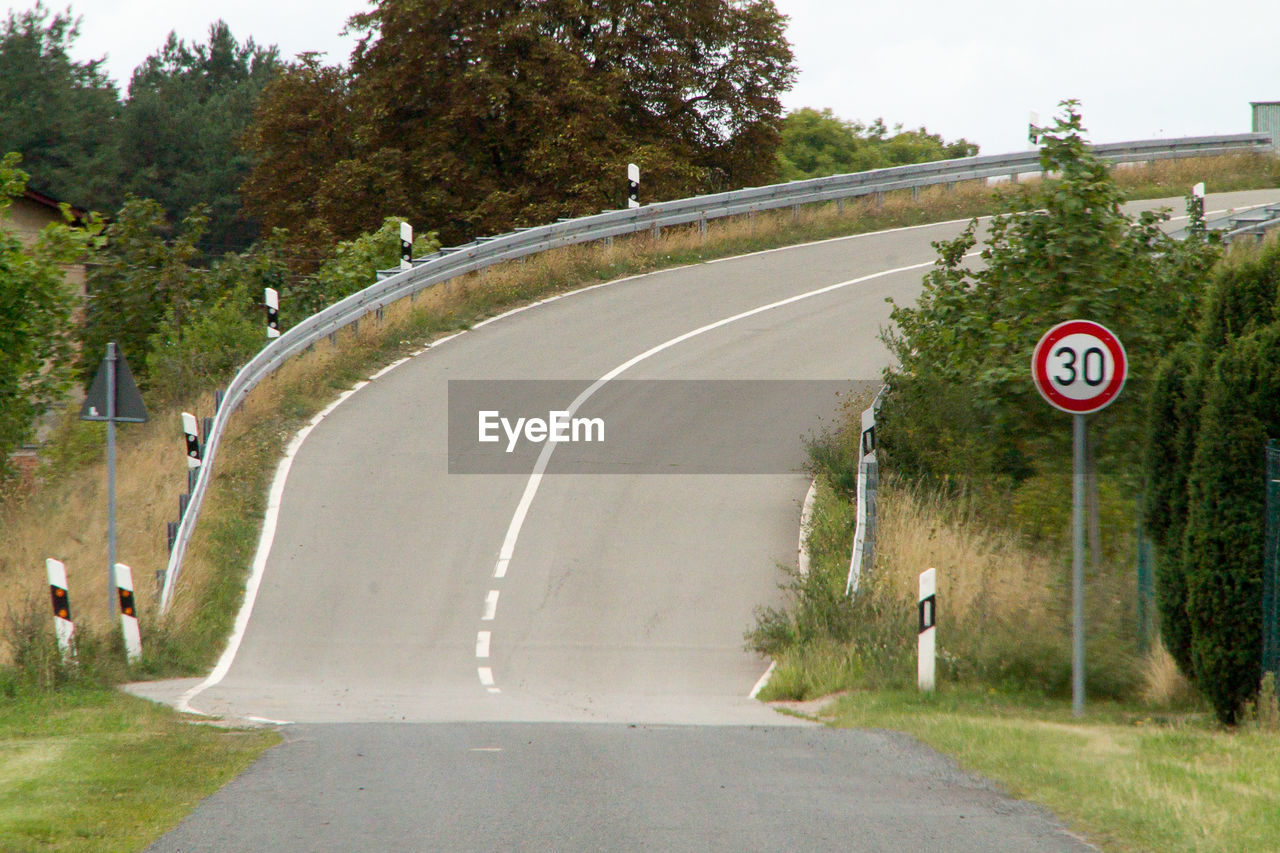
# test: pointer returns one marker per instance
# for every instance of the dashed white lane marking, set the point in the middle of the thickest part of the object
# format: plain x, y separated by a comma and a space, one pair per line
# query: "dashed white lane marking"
485, 749
482, 644
490, 606
270, 519
486, 679
544, 457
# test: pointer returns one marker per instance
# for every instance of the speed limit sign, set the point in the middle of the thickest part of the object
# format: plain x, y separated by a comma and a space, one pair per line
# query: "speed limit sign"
1079, 366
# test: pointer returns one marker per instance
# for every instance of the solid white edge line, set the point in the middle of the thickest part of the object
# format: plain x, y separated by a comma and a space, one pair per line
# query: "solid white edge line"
282, 470
764, 680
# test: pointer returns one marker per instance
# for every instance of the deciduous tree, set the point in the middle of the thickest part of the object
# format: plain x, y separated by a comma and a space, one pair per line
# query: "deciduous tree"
472, 118
35, 315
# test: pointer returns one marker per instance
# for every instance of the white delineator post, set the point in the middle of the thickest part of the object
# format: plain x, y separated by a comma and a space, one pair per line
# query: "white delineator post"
926, 642
406, 246
633, 185
62, 624
192, 432
272, 300
128, 613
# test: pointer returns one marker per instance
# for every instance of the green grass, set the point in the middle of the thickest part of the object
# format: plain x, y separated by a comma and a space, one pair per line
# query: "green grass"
91, 769
1127, 779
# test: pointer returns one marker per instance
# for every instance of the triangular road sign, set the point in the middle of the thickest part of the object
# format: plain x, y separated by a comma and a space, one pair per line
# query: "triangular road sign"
129, 406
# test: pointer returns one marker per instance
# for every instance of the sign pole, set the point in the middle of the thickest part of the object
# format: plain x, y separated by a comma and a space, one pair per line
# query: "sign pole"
1079, 367
113, 396
1077, 564
111, 478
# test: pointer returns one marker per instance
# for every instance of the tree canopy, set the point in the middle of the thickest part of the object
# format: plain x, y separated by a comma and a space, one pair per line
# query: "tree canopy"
35, 317
819, 143
473, 118
180, 130
59, 114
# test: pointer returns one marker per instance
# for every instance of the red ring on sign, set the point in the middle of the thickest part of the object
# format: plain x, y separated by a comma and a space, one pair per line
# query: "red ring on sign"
1054, 397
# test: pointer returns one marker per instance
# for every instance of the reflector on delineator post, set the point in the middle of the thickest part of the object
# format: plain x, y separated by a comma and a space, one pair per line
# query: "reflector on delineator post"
128, 613
62, 624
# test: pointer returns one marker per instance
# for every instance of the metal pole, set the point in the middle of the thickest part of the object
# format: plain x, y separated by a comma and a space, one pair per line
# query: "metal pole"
111, 478
1077, 565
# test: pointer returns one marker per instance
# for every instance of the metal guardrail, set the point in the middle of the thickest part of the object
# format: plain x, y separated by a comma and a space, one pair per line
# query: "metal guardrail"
460, 260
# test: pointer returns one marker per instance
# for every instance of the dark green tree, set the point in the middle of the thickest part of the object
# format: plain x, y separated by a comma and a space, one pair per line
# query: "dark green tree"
1239, 300
142, 275
1226, 520
180, 130
35, 315
818, 143
58, 113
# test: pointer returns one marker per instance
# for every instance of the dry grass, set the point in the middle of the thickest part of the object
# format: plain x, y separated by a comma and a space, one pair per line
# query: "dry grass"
1162, 683
981, 570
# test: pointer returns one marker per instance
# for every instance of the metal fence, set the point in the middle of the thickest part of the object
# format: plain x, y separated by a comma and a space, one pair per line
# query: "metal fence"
1271, 566
460, 260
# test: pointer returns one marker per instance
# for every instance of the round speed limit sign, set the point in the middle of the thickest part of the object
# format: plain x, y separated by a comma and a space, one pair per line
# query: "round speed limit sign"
1079, 366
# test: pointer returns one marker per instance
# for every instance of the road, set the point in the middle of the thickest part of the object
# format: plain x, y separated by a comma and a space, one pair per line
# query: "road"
555, 660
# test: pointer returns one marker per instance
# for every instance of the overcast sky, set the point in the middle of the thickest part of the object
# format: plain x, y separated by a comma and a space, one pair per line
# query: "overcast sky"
1141, 68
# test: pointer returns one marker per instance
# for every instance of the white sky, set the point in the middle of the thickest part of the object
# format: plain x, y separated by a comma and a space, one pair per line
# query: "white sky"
1141, 68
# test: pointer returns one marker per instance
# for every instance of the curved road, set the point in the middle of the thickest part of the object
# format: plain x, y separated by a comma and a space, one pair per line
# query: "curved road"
501, 612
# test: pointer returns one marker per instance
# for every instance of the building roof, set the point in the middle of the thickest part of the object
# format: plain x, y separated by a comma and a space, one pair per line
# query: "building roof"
37, 197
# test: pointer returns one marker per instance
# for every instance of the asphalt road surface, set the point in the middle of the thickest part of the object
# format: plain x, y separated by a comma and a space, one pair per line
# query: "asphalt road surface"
554, 660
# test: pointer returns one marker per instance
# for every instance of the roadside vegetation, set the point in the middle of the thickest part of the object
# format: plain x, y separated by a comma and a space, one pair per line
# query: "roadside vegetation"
193, 319
1177, 749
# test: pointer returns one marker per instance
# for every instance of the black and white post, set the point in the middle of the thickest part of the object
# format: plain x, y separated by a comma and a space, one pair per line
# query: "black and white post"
406, 246
128, 613
1195, 209
191, 430
633, 186
272, 300
62, 624
926, 640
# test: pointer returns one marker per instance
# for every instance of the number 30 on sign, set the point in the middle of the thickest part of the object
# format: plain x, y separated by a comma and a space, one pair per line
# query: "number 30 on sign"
1079, 366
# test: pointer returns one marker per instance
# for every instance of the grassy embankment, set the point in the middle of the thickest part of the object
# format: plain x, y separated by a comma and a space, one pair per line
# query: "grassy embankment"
1147, 769
61, 513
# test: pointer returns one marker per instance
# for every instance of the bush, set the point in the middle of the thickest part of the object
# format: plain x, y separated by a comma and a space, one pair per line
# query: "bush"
1226, 520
